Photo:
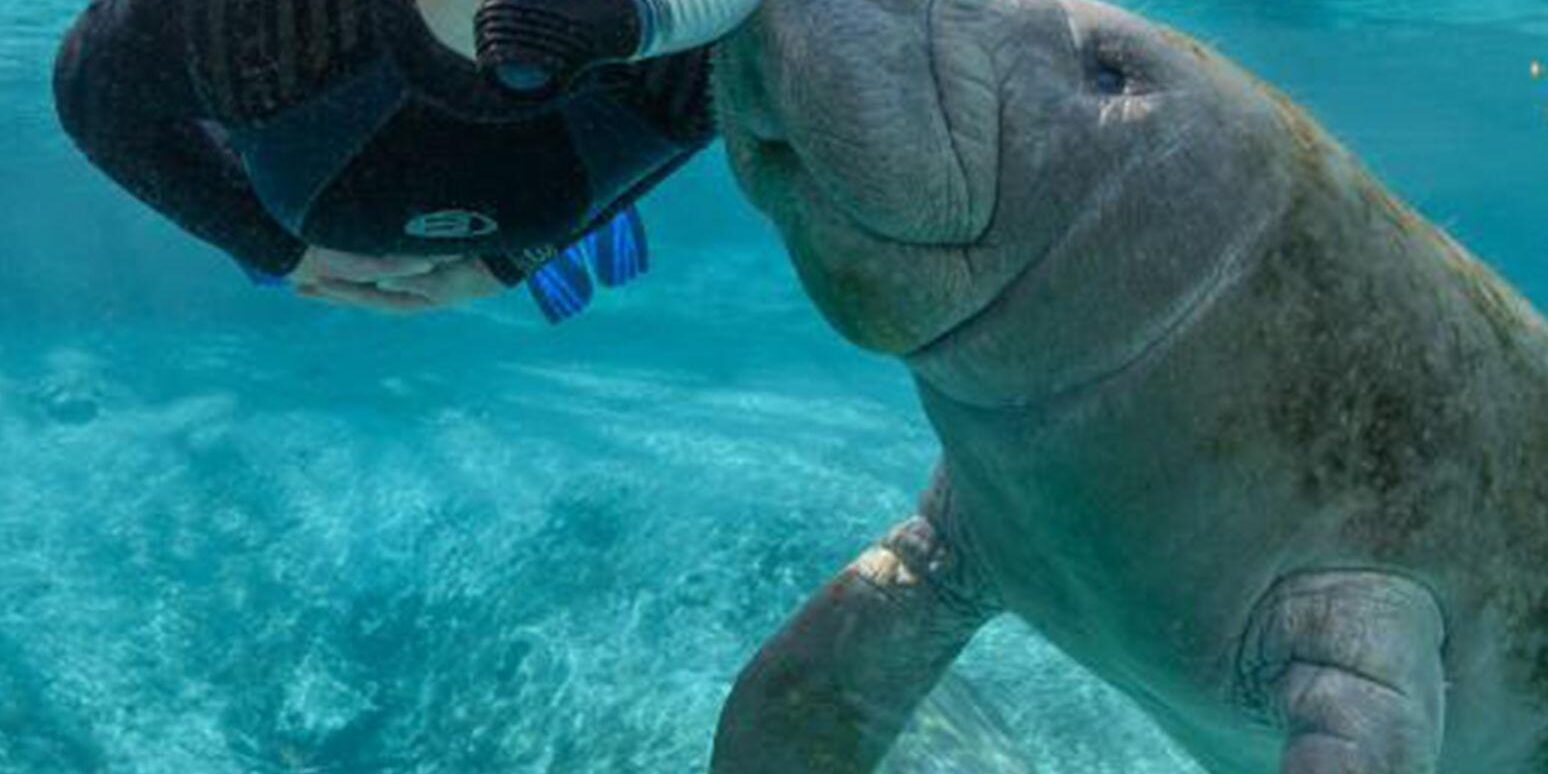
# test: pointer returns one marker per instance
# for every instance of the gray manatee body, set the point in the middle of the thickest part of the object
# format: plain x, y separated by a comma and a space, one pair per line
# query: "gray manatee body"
1220, 417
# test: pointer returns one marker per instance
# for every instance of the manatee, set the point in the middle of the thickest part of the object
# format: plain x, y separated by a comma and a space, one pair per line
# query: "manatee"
1220, 417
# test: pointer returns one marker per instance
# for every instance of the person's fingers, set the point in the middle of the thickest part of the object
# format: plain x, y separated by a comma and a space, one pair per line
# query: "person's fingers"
450, 283
366, 297
435, 285
369, 268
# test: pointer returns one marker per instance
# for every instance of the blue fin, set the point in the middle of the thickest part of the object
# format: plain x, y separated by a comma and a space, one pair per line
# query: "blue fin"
617, 251
561, 287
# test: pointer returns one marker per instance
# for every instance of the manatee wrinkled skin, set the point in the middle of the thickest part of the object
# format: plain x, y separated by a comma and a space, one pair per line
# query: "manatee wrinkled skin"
1220, 417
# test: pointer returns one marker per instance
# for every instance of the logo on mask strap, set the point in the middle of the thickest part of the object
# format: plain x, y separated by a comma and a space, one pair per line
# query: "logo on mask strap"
533, 258
451, 224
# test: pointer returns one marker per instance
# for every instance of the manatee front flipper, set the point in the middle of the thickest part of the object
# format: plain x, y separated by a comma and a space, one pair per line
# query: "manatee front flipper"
1349, 663
831, 691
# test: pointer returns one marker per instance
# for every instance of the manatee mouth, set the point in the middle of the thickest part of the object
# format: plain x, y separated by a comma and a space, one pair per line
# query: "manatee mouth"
974, 314
773, 160
777, 177
978, 294
891, 110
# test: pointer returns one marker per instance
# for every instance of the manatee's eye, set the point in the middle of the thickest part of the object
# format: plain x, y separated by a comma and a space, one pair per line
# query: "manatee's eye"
1109, 79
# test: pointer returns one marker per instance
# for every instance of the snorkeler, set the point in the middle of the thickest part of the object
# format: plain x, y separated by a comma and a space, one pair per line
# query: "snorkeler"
353, 150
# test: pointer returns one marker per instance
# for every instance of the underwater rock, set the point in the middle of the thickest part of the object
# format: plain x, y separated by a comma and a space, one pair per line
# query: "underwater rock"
70, 391
68, 409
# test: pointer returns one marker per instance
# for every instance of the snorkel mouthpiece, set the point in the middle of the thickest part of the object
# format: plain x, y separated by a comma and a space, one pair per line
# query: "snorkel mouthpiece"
541, 46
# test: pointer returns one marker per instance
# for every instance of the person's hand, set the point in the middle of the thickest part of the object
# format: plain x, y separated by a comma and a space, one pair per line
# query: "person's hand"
392, 284
347, 279
450, 283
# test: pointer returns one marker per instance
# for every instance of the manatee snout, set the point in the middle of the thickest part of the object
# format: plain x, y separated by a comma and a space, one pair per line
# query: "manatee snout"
1021, 196
870, 131
867, 94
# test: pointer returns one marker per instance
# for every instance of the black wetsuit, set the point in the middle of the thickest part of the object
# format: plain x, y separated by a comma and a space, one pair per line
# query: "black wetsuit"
265, 126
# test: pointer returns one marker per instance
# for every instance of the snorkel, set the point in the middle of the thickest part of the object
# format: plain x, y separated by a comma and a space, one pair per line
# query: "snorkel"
542, 46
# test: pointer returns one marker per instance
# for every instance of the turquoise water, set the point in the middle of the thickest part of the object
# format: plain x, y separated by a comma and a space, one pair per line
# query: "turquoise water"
242, 533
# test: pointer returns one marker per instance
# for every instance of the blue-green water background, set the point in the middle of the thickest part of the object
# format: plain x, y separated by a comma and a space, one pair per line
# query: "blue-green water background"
242, 533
